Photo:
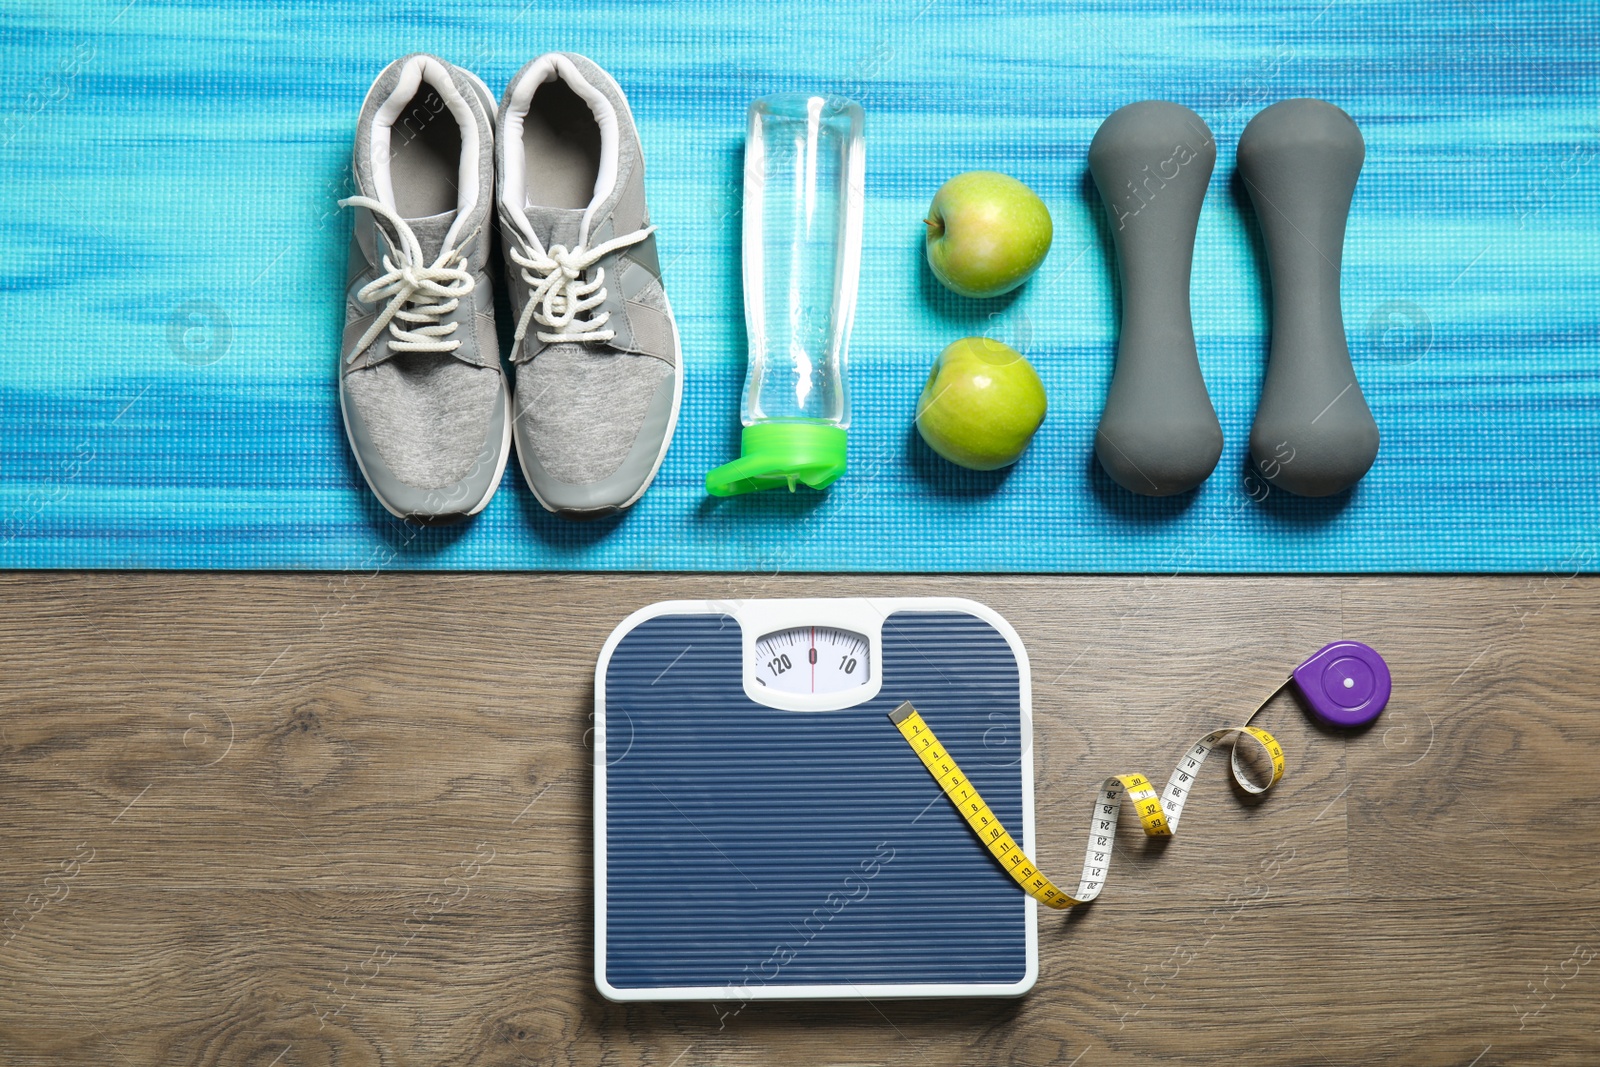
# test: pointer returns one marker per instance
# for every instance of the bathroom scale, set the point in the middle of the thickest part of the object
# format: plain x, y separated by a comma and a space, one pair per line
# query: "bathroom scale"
763, 832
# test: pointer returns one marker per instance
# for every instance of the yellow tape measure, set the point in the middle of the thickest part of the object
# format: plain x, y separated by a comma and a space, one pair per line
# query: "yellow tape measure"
1159, 815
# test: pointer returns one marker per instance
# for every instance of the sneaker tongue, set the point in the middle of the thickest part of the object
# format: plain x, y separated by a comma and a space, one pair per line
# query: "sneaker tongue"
431, 232
556, 225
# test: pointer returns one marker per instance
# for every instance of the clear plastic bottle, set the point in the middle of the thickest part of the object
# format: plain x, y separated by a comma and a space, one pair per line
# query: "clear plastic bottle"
803, 200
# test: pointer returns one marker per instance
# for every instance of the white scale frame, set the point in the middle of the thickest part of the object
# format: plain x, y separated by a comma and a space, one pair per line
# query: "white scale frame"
756, 619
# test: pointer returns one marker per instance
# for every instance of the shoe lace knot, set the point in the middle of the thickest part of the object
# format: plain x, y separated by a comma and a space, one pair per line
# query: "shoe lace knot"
558, 295
417, 293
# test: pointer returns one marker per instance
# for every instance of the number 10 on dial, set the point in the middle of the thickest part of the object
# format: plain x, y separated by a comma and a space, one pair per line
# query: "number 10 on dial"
812, 659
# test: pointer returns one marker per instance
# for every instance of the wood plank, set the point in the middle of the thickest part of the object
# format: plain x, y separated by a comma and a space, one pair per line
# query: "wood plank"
236, 976
346, 816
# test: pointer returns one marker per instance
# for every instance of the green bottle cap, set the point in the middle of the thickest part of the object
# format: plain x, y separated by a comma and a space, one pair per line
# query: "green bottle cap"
776, 455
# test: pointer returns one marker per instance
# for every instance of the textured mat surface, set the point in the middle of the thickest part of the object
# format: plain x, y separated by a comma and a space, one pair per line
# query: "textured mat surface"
171, 263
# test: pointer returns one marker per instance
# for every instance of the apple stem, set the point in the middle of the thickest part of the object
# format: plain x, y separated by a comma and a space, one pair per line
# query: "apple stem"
936, 226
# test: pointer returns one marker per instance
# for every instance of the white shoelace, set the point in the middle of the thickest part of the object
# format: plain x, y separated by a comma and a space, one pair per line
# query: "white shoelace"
556, 297
408, 286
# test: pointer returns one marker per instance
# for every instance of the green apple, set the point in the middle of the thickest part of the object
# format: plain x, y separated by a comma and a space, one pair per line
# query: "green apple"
986, 233
981, 404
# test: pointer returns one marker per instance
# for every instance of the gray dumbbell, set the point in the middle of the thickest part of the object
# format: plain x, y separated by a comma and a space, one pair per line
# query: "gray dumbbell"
1314, 434
1159, 434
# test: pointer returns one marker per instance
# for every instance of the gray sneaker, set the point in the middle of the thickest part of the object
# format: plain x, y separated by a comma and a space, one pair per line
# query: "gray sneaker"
426, 405
598, 370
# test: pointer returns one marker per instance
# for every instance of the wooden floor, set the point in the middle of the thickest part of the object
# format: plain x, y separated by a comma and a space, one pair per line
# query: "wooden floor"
311, 820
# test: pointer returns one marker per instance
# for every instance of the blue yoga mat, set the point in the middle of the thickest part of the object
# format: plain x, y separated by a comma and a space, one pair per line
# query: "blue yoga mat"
172, 265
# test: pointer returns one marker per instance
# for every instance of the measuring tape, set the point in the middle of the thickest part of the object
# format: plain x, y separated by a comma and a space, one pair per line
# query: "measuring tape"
1345, 684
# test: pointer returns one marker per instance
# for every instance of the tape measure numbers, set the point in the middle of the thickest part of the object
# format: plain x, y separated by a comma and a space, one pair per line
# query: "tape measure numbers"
1159, 819
1345, 684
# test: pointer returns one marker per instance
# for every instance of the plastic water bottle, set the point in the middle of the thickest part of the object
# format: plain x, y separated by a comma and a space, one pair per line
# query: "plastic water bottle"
803, 196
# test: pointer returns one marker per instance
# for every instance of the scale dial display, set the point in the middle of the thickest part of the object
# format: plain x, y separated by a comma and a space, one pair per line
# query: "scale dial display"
813, 659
